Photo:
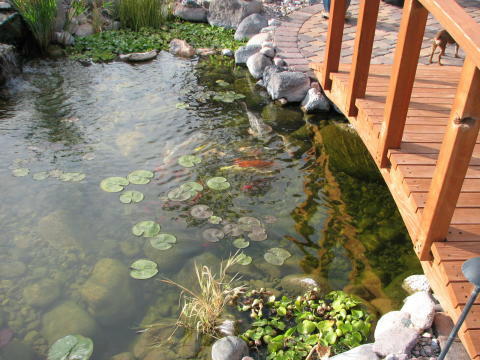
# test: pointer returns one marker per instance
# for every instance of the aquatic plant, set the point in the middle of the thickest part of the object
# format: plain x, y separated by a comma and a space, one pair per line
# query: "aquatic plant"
163, 241
40, 17
140, 177
76, 8
71, 347
218, 183
143, 269
201, 212
289, 329
185, 191
241, 243
129, 197
113, 184
146, 228
276, 256
19, 172
204, 306
137, 14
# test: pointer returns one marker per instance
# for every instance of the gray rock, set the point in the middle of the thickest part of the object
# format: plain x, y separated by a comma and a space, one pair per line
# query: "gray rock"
421, 308
259, 39
268, 29
399, 340
257, 63
230, 13
139, 57
391, 320
297, 284
12, 29
274, 22
228, 52
84, 30
268, 51
181, 48
416, 283
362, 352
229, 348
315, 101
279, 62
244, 52
64, 38
291, 85
189, 13
250, 26
5, 6
396, 357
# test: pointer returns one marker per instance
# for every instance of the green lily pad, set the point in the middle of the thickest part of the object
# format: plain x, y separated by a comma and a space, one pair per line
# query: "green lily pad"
218, 183
72, 176
228, 96
276, 256
71, 347
232, 230
201, 212
222, 83
185, 191
215, 219
42, 175
241, 243
114, 184
143, 269
189, 161
131, 197
146, 228
163, 241
182, 105
56, 173
244, 259
213, 235
20, 172
140, 177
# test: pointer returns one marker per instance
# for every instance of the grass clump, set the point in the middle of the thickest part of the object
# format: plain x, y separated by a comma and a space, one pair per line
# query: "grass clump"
137, 14
107, 45
203, 307
40, 17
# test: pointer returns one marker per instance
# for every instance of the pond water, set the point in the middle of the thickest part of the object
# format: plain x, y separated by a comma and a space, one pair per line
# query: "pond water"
66, 245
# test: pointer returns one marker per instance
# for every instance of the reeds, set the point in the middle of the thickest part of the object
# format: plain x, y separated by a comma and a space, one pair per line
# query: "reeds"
40, 17
137, 14
203, 309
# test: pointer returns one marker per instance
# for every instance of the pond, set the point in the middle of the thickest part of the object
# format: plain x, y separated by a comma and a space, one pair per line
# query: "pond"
67, 244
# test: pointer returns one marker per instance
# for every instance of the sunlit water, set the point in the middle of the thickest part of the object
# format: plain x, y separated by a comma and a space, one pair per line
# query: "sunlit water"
109, 120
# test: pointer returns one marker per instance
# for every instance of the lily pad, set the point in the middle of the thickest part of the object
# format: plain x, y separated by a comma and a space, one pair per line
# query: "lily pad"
228, 96
56, 173
241, 243
244, 259
201, 212
258, 233
213, 235
72, 176
163, 241
71, 347
146, 228
189, 161
140, 177
131, 197
232, 230
143, 269
20, 172
218, 183
192, 185
222, 83
249, 220
270, 219
114, 184
215, 219
185, 191
42, 175
276, 256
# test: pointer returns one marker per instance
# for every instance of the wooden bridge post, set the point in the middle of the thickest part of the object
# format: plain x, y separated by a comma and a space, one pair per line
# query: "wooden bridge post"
407, 52
362, 54
453, 160
334, 42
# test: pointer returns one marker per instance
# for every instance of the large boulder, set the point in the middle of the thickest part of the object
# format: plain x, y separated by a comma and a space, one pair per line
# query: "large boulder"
67, 318
229, 348
195, 13
290, 85
42, 293
250, 26
315, 101
416, 283
394, 334
421, 308
12, 29
362, 352
260, 39
109, 292
244, 52
257, 63
230, 13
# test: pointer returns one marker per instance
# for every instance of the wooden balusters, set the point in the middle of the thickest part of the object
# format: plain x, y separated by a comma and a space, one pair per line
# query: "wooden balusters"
404, 68
362, 54
453, 160
334, 42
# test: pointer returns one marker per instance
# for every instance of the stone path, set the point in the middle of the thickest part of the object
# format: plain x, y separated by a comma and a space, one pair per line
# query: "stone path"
301, 37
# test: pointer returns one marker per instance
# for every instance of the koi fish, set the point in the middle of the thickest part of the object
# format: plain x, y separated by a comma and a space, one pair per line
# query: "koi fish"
253, 163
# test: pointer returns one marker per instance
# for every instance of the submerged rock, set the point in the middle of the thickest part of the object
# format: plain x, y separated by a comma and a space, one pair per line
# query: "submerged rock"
250, 26
55, 229
244, 52
181, 48
229, 348
17, 350
42, 293
139, 57
108, 292
362, 352
257, 63
123, 356
191, 13
67, 318
298, 284
315, 101
11, 269
230, 13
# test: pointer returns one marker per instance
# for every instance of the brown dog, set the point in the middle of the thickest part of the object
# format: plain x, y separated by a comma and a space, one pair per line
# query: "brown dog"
441, 40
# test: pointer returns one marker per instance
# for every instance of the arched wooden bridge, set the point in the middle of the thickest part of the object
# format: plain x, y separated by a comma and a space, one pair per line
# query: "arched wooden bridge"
421, 124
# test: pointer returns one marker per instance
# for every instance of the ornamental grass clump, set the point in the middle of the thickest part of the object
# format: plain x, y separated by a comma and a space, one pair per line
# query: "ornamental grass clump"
202, 308
40, 17
137, 14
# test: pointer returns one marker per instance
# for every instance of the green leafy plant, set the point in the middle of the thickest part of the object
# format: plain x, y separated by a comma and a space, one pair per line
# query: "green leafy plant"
289, 329
77, 7
40, 17
137, 14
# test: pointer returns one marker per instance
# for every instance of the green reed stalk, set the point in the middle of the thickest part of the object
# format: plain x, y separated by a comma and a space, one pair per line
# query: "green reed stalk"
136, 14
40, 17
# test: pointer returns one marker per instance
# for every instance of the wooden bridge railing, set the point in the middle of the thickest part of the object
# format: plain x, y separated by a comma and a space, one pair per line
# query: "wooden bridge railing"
463, 127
